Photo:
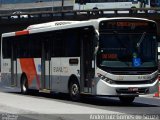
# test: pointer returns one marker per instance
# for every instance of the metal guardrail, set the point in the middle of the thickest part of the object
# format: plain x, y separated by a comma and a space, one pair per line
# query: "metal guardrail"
9, 23
92, 12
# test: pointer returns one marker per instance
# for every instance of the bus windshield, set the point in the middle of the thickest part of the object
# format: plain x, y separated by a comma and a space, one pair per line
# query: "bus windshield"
127, 49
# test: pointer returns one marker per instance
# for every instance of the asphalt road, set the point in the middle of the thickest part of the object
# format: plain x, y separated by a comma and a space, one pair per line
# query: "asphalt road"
41, 106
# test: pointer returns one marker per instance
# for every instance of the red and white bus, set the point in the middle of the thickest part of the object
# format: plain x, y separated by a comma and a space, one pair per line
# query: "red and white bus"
106, 56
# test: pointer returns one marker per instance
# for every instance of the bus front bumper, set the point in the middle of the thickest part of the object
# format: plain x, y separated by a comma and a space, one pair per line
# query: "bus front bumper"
104, 88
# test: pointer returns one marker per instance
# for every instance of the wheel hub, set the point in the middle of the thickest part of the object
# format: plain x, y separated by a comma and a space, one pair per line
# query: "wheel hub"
75, 89
24, 87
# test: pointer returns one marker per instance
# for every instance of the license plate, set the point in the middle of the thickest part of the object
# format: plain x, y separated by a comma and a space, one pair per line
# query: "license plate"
133, 89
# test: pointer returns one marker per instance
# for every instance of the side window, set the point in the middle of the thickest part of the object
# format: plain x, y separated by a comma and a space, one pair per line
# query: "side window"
65, 43
35, 46
57, 44
6, 47
72, 46
28, 46
22, 46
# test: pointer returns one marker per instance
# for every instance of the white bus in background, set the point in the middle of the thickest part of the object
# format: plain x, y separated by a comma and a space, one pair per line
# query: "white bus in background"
107, 4
104, 57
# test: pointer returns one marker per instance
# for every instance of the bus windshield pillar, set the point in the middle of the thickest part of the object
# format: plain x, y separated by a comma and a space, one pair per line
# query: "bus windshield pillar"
87, 60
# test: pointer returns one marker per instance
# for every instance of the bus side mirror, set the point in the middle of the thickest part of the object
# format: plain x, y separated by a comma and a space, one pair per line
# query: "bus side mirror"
96, 41
96, 38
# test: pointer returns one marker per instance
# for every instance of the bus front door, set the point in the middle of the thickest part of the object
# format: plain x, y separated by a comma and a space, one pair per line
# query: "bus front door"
13, 65
87, 61
46, 66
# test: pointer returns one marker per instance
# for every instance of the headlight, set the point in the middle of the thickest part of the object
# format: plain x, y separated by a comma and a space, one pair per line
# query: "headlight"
108, 80
153, 80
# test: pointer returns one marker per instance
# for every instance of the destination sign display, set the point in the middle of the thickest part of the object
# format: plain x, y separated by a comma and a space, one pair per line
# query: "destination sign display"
127, 25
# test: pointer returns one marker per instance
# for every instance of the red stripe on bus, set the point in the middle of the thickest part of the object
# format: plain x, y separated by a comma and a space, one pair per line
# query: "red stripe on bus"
24, 32
28, 67
37, 78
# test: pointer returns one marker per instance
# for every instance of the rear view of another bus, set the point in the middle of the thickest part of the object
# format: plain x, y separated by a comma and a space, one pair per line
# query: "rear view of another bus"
127, 64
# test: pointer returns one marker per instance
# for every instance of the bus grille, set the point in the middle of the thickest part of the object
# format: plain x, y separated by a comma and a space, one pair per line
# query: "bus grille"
127, 91
134, 82
131, 72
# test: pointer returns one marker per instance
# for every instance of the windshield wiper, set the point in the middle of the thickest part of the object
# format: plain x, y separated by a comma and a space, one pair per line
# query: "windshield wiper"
141, 39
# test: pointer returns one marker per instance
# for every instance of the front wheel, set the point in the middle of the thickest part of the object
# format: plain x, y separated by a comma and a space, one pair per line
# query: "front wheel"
126, 100
24, 85
74, 91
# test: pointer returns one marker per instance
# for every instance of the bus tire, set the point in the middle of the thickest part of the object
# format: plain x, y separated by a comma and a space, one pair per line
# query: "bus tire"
126, 100
24, 85
74, 90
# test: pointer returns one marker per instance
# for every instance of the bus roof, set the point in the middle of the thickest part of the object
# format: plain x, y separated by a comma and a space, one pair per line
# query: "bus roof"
133, 18
60, 25
49, 26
